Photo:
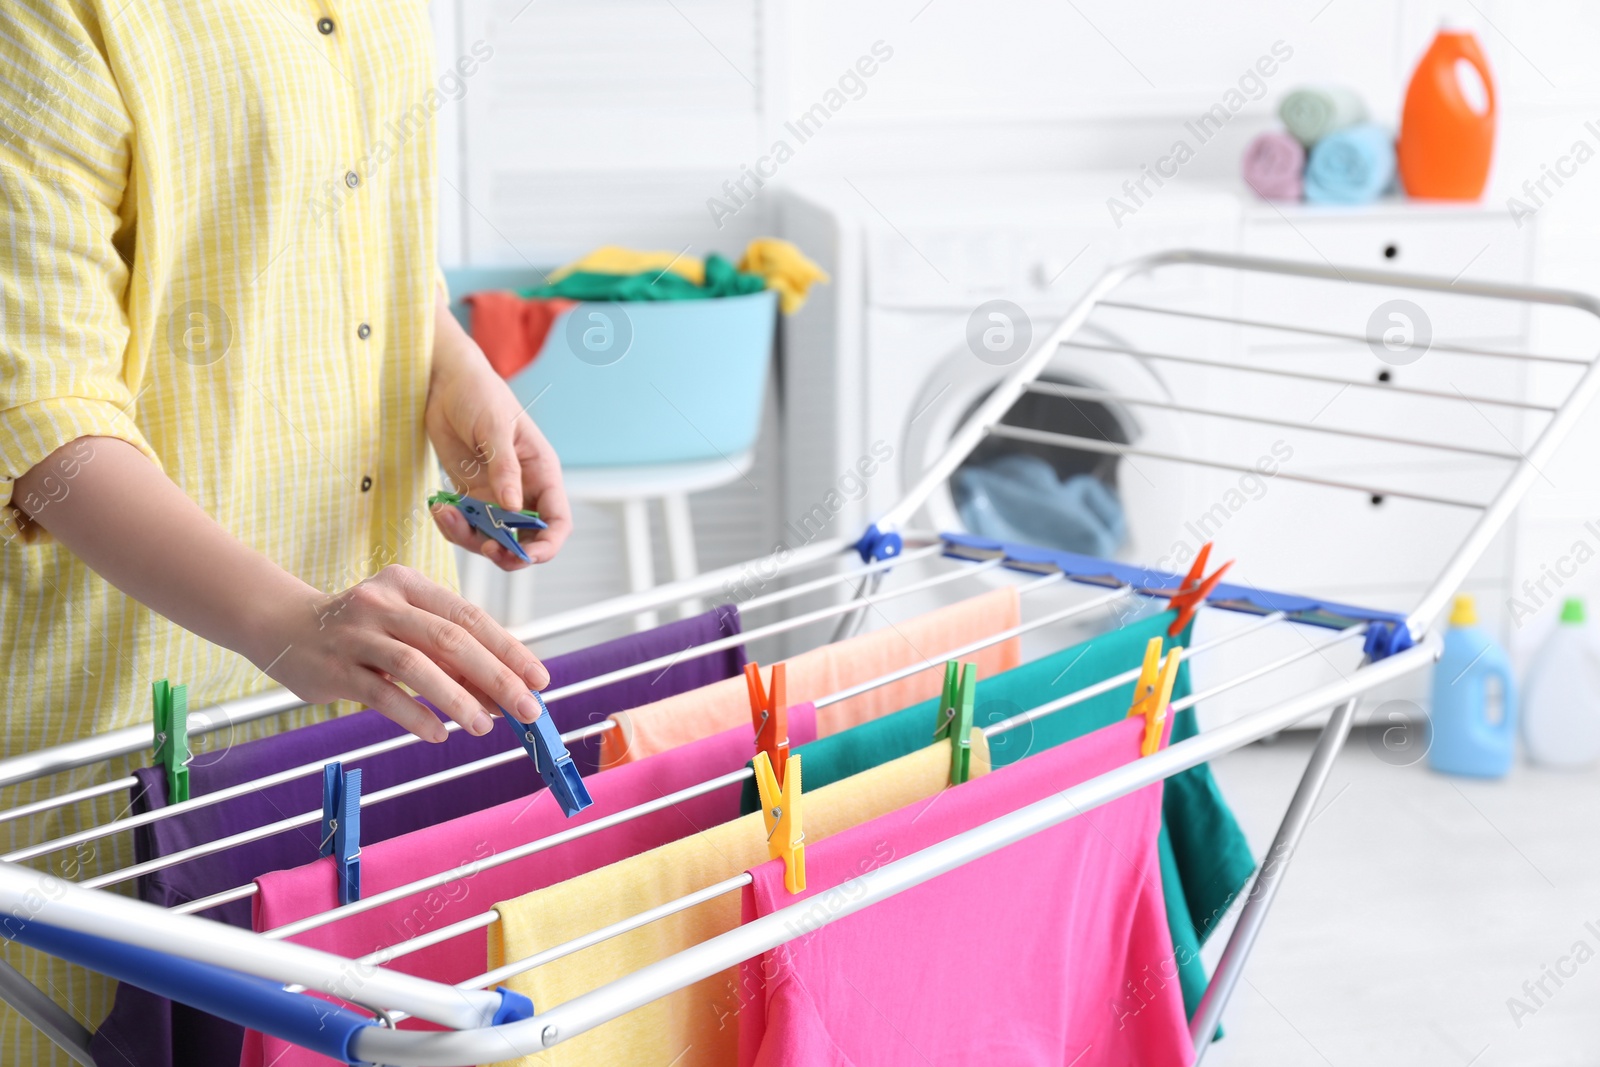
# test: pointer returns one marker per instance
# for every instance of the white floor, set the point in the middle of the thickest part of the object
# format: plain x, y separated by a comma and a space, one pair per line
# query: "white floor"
1417, 906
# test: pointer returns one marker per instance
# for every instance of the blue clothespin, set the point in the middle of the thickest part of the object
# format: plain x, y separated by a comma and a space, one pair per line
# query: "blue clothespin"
552, 760
341, 826
493, 521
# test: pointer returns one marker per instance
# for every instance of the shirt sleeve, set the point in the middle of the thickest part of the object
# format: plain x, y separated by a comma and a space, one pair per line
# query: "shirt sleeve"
65, 150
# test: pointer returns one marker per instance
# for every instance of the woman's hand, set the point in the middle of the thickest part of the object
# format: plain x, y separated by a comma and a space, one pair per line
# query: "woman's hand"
398, 626
490, 448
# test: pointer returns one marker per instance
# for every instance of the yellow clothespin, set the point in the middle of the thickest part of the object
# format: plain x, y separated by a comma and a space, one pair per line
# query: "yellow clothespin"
780, 808
1153, 692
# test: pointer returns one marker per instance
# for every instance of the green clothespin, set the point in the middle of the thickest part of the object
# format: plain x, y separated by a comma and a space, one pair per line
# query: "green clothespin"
956, 713
171, 707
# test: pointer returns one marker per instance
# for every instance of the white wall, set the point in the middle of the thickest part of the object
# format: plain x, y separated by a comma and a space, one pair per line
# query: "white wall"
601, 121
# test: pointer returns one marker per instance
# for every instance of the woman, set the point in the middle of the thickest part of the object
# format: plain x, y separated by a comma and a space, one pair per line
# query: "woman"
227, 379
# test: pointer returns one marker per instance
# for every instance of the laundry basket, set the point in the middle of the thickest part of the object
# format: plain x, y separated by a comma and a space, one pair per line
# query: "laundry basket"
627, 384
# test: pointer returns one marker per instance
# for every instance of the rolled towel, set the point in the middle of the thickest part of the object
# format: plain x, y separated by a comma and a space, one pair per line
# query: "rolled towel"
1312, 112
1353, 166
1273, 164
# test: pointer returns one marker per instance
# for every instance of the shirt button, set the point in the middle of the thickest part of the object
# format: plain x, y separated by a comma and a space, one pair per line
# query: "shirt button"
325, 25
363, 331
352, 179
366, 482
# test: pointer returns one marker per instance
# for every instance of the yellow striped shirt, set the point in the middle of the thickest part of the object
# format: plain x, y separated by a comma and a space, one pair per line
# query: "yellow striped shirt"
219, 246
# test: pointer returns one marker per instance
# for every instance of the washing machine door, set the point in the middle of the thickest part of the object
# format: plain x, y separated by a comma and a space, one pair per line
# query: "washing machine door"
1052, 495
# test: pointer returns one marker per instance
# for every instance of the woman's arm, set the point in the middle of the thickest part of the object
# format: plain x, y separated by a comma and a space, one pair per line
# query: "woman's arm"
163, 550
489, 446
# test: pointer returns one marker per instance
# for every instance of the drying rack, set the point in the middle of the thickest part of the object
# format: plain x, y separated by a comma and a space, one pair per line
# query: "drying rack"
262, 980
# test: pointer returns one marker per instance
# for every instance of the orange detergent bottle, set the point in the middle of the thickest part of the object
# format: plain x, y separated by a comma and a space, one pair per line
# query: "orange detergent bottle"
1447, 127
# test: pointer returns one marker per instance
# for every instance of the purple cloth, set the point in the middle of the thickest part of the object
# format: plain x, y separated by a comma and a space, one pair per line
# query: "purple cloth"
144, 1030
1274, 164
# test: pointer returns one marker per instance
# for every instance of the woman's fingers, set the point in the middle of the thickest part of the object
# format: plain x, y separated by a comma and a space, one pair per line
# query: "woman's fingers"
541, 468
480, 670
455, 527
408, 664
438, 600
458, 531
395, 703
504, 474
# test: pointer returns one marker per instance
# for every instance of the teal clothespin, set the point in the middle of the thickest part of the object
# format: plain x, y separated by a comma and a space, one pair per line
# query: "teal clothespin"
171, 706
956, 713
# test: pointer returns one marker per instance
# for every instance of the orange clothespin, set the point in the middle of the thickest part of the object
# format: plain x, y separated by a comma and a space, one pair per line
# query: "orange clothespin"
769, 714
1153, 692
780, 809
1194, 590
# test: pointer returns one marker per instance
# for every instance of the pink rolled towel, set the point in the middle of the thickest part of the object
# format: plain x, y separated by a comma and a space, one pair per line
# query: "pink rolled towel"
1273, 165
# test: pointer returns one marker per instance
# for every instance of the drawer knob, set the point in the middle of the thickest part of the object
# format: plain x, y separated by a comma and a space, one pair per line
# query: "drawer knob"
1391, 251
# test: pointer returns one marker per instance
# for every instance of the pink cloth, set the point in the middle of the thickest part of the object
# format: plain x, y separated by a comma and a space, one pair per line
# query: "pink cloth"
1273, 166
286, 896
1052, 951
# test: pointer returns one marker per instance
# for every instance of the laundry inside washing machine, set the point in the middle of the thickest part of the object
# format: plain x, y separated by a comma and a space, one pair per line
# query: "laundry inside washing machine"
1042, 493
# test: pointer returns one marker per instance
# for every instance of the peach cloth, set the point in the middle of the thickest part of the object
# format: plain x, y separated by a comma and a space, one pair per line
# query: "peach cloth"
812, 675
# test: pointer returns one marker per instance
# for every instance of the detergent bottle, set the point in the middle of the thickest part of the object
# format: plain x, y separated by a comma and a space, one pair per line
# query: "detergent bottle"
1447, 125
1465, 739
1561, 700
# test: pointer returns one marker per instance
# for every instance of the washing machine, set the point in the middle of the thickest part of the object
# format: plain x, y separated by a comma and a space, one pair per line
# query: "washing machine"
890, 357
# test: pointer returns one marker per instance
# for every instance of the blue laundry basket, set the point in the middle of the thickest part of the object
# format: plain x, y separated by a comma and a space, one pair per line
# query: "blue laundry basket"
627, 384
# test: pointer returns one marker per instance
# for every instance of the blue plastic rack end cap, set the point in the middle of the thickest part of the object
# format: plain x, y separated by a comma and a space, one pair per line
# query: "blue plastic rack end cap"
1384, 639
341, 827
514, 1007
875, 544
313, 1023
553, 762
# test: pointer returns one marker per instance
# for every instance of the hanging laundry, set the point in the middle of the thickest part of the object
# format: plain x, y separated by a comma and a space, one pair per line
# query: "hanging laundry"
144, 1030
787, 270
1076, 908
694, 1027
511, 329
675, 721
288, 896
1205, 857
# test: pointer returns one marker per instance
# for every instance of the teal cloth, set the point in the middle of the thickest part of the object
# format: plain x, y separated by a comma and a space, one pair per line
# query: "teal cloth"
722, 279
1205, 859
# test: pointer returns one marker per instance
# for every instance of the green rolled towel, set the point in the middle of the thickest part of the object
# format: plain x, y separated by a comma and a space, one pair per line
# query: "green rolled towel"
1313, 112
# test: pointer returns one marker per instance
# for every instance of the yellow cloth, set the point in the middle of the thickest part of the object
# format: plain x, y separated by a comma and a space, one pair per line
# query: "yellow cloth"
186, 268
613, 259
811, 675
787, 270
697, 1026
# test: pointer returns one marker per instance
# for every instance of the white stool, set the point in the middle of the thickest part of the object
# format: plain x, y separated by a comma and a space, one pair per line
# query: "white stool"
630, 489
627, 490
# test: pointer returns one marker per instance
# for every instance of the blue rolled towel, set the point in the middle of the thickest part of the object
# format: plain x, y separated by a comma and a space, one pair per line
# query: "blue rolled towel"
1352, 166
